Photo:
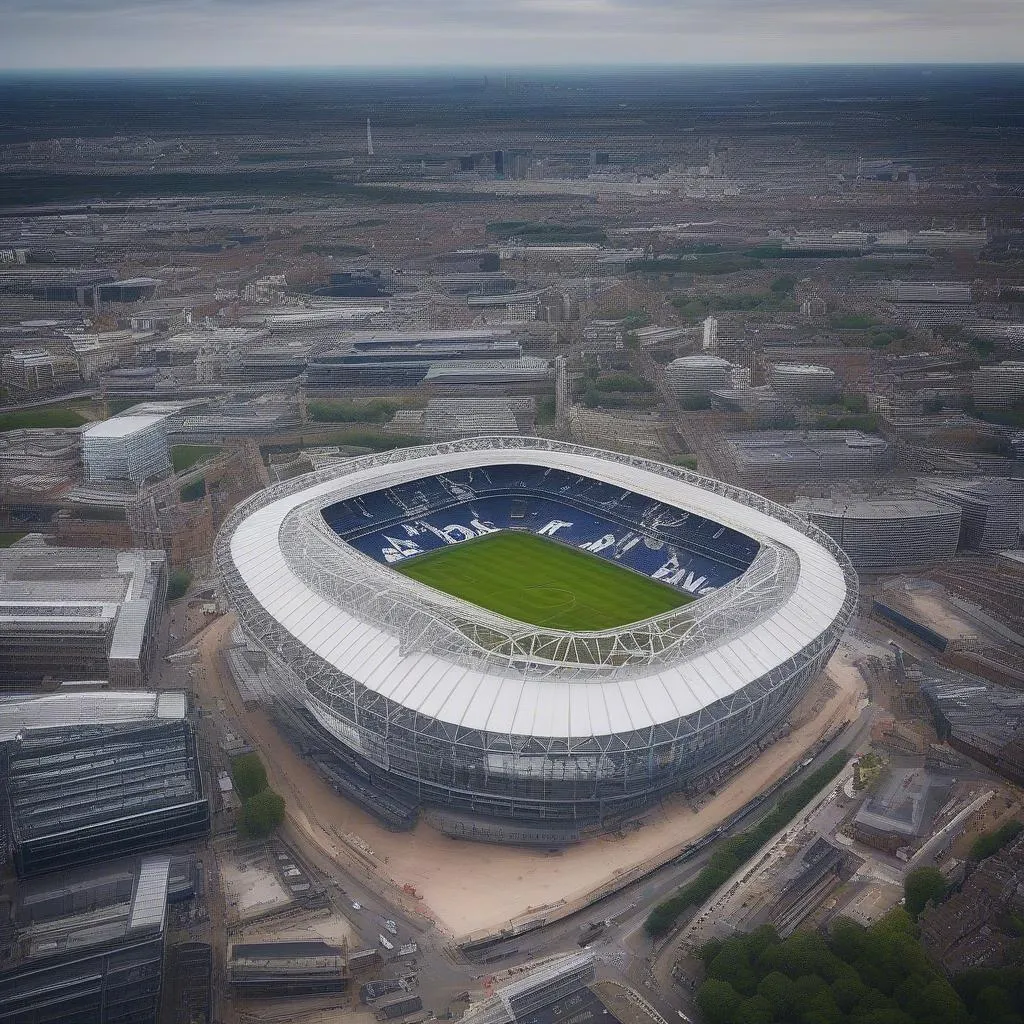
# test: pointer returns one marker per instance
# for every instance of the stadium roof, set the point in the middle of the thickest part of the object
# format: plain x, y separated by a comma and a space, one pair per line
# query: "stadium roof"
450, 686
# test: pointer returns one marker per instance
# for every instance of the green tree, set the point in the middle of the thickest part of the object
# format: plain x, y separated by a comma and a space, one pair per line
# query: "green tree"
718, 1001
249, 775
177, 584
755, 1010
780, 993
262, 813
921, 886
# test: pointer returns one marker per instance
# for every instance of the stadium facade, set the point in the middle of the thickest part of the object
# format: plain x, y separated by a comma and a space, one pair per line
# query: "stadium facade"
510, 731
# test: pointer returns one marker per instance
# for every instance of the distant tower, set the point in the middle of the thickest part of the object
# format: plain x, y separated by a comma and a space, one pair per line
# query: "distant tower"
710, 334
369, 139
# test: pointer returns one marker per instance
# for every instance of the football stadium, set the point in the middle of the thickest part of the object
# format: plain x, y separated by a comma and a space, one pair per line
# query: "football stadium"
529, 639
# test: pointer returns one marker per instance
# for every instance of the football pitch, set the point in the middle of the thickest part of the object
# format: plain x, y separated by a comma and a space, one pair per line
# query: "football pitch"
543, 583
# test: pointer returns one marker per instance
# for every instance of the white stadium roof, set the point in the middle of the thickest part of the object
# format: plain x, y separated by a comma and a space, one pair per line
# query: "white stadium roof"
477, 693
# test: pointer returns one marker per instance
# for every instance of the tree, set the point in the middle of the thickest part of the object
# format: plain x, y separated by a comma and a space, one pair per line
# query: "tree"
755, 1010
718, 1001
780, 994
179, 582
921, 886
249, 775
262, 813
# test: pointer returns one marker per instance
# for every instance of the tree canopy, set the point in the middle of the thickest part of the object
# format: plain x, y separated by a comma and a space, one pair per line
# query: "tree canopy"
856, 975
248, 774
921, 886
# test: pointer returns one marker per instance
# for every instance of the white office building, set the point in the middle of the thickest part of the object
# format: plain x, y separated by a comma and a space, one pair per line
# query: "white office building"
126, 448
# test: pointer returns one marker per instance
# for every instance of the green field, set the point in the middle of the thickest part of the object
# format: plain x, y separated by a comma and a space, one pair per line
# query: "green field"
45, 417
185, 456
541, 582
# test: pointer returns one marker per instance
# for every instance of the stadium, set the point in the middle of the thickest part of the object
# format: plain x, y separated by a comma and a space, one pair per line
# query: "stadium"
529, 639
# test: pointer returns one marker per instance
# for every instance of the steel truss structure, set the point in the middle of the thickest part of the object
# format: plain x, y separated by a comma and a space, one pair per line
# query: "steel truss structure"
461, 707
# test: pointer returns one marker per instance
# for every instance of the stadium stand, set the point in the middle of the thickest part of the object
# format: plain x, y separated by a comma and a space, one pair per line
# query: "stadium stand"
686, 551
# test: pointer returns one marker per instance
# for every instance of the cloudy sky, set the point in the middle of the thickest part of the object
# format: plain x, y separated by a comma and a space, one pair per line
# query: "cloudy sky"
218, 33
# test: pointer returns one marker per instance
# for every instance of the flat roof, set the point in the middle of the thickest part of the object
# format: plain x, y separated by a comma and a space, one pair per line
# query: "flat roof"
122, 426
910, 507
21, 711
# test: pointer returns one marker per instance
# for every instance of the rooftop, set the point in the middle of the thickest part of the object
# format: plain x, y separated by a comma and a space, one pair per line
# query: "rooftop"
121, 426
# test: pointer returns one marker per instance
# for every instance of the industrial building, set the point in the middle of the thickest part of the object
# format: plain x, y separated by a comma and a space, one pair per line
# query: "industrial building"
286, 968
87, 946
79, 613
981, 719
691, 380
785, 457
803, 382
927, 291
64, 804
29, 372
884, 535
901, 811
992, 509
126, 448
397, 359
998, 388
449, 418
519, 1001
525, 376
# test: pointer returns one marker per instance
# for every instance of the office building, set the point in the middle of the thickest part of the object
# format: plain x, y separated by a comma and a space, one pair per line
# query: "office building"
126, 448
79, 613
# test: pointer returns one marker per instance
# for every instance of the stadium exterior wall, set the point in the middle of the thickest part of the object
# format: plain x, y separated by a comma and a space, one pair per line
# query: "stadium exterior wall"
569, 780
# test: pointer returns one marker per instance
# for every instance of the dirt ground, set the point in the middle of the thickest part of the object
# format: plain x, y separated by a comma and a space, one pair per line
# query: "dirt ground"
930, 607
467, 886
333, 928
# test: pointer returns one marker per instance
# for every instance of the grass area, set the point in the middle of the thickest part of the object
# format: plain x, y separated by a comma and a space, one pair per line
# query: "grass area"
378, 410
46, 417
184, 456
541, 582
376, 442
8, 537
539, 233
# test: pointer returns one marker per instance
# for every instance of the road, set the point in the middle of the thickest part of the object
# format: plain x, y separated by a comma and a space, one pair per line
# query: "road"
625, 953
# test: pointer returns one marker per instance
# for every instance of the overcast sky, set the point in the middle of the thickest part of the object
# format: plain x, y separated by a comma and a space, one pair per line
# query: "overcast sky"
219, 33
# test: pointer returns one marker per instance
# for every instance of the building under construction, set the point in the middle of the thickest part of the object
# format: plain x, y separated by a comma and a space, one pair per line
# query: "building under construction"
92, 775
85, 947
78, 613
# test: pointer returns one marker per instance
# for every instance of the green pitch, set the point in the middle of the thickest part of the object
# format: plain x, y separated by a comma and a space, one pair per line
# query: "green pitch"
546, 584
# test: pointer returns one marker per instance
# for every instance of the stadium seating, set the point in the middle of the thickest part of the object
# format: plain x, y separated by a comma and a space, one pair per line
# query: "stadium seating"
687, 551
